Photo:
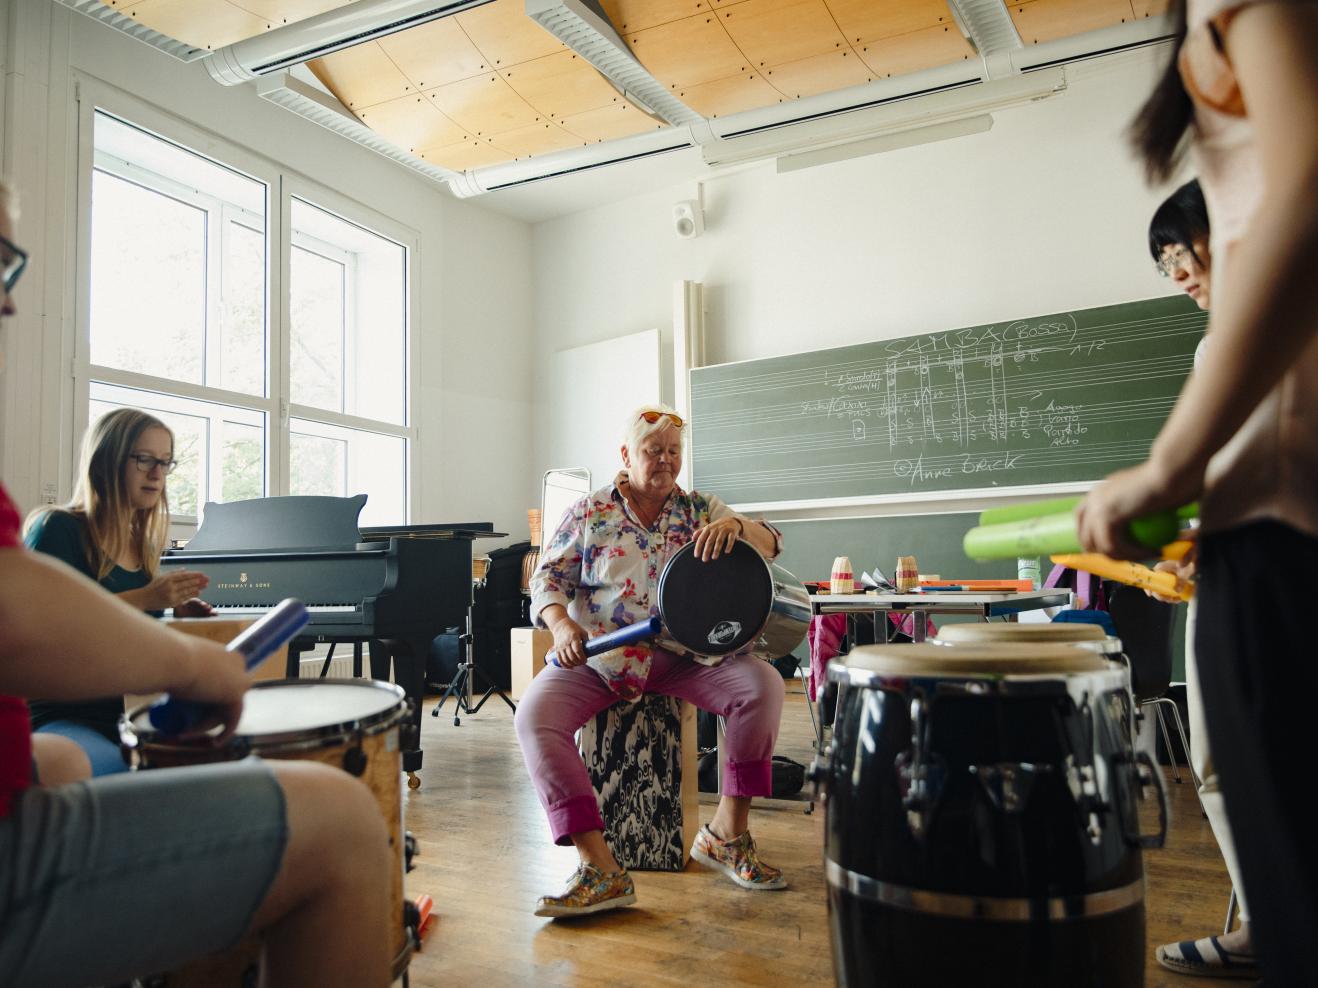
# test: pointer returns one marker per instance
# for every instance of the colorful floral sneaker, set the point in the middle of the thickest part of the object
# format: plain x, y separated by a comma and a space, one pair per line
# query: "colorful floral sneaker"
738, 859
588, 891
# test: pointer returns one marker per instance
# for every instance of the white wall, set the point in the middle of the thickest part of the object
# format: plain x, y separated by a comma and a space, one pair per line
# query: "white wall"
472, 276
1045, 212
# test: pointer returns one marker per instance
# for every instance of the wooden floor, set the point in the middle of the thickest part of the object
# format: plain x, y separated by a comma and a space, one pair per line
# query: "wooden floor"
486, 856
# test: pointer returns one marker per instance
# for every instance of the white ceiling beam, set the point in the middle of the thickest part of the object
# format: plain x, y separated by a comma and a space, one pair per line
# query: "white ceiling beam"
135, 29
582, 26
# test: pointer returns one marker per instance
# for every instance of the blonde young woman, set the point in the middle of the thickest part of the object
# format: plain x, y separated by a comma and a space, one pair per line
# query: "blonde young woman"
113, 531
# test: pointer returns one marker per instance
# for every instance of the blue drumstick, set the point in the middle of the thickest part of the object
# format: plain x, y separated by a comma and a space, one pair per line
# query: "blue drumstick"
255, 644
617, 639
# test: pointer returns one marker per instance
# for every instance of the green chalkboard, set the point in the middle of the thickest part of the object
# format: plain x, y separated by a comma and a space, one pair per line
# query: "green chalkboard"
1070, 396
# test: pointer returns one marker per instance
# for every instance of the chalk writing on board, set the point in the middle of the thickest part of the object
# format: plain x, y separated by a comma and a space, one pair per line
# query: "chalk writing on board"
1061, 397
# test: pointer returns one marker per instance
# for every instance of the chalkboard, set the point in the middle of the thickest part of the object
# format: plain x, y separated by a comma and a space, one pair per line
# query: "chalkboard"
1070, 396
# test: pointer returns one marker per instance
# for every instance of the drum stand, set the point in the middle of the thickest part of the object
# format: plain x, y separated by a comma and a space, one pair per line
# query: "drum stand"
461, 688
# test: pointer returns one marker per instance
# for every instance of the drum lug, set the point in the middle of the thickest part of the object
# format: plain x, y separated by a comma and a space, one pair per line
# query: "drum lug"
1008, 784
916, 778
1146, 775
817, 773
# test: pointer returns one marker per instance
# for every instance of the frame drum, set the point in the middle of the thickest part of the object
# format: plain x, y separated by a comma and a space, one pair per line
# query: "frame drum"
721, 606
981, 820
350, 724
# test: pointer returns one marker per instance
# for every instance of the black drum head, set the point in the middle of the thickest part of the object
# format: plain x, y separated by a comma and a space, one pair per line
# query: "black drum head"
718, 607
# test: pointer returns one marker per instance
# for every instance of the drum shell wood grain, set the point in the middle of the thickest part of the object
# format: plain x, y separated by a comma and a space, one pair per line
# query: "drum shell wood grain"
378, 741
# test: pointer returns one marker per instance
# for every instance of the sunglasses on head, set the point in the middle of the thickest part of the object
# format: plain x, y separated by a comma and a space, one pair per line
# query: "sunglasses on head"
652, 417
13, 267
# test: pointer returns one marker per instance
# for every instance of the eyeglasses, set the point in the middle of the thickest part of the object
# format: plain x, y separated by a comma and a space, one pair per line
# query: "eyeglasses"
651, 416
1174, 258
146, 463
14, 266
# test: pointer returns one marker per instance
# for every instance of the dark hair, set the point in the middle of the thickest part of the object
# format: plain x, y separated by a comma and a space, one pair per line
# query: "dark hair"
1158, 130
1181, 219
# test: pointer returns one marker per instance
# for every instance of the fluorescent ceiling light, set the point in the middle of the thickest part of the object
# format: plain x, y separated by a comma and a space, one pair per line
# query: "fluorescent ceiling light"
888, 118
323, 34
582, 26
887, 142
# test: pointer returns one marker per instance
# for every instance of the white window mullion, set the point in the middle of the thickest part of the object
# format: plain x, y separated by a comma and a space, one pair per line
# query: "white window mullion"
279, 249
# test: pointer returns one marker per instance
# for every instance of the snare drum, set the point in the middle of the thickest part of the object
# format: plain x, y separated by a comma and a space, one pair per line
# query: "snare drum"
350, 724
981, 819
721, 606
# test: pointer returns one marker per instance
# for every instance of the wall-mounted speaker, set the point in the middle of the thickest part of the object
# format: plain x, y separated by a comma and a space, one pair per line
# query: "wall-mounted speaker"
688, 219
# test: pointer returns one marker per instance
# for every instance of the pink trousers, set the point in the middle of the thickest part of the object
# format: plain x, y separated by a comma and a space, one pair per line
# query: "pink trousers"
746, 691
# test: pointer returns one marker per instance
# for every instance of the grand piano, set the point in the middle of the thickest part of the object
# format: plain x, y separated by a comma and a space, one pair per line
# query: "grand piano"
396, 588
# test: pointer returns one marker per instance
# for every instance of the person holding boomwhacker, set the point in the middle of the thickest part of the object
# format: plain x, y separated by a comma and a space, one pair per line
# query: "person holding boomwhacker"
1243, 438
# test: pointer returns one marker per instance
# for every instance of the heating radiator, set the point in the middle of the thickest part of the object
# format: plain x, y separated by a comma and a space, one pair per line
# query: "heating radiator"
340, 666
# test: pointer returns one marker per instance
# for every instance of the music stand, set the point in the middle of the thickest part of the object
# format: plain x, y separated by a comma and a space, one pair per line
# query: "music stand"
463, 682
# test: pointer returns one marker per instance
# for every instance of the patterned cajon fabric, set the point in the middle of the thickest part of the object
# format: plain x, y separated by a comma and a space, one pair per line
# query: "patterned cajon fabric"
642, 762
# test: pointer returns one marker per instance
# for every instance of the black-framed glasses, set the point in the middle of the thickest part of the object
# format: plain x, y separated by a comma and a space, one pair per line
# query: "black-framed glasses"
1174, 258
146, 462
14, 265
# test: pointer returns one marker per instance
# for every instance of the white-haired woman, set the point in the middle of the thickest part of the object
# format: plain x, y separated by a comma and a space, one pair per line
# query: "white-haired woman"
600, 572
113, 531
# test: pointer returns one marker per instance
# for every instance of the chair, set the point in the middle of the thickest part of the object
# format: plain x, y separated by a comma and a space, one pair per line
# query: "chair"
1145, 627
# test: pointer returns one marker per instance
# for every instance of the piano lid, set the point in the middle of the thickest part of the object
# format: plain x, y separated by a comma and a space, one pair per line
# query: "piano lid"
297, 521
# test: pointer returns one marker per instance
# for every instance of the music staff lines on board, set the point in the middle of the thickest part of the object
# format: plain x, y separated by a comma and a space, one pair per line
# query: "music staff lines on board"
1141, 333
1058, 422
983, 469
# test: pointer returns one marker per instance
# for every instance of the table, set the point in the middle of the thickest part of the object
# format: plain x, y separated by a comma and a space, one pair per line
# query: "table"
921, 605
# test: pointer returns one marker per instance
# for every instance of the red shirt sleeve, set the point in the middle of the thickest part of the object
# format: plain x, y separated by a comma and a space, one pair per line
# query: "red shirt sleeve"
15, 729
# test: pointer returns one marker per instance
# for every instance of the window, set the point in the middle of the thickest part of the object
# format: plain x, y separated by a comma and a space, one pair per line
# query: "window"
181, 322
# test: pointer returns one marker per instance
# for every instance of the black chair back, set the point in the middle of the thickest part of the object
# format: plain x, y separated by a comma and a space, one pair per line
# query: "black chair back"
1145, 627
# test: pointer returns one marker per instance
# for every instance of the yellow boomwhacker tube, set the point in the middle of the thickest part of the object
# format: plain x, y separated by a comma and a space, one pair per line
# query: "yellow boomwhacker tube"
1135, 574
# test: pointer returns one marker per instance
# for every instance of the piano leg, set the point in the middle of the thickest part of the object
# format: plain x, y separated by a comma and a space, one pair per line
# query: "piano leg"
409, 668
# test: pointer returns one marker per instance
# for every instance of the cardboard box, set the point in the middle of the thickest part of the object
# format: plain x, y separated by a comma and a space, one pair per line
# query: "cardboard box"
529, 646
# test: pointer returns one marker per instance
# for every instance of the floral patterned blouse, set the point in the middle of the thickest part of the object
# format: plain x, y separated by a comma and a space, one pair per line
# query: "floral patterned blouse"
603, 565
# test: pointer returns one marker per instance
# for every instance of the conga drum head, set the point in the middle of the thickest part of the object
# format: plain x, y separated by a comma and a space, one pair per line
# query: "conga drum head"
968, 661
1014, 632
716, 607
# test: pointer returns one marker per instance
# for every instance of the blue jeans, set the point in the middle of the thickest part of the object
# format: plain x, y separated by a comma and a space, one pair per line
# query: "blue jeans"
105, 756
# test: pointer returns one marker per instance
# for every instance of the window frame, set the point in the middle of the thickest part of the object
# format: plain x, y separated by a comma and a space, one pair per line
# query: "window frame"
281, 186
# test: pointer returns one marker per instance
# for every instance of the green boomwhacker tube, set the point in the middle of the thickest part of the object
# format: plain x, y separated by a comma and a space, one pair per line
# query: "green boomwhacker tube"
1051, 534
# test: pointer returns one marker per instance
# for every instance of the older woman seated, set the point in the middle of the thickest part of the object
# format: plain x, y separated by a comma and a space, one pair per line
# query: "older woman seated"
600, 572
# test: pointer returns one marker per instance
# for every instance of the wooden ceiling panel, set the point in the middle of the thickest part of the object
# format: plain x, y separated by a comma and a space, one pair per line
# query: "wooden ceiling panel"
1044, 20
541, 138
724, 97
628, 16
608, 123
484, 105
469, 154
203, 23
773, 32
361, 76
1149, 8
412, 122
505, 35
434, 54
868, 20
280, 12
821, 74
915, 51
688, 52
561, 85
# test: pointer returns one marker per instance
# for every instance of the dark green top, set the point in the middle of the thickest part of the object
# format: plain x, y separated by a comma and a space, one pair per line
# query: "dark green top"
63, 535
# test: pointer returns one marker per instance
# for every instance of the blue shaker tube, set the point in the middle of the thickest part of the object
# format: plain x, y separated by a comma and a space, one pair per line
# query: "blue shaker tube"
617, 639
255, 644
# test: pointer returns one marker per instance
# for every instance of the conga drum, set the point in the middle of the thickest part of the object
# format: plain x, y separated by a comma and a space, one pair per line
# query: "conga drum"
347, 723
1089, 637
981, 819
721, 606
